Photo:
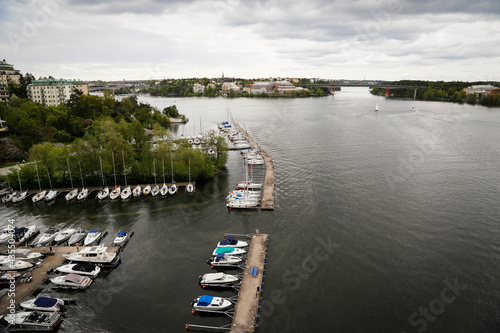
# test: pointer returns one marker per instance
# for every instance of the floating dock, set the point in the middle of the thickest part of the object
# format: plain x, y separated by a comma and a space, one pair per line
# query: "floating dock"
268, 191
247, 306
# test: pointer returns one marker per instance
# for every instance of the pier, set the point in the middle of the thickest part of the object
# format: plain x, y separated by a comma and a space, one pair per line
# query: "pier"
268, 190
251, 286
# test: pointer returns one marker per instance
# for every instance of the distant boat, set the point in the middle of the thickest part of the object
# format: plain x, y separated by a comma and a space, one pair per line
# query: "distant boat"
376, 107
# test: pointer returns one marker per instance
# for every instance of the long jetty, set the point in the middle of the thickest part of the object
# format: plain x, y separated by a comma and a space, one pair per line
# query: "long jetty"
251, 286
268, 192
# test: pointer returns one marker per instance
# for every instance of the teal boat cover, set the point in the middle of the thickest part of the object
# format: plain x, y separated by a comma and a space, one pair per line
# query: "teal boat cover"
225, 249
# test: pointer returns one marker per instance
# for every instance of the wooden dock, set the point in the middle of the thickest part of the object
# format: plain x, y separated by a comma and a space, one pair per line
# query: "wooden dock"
248, 298
268, 191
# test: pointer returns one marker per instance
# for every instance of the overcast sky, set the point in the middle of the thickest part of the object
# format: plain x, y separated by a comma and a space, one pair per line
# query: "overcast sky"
334, 39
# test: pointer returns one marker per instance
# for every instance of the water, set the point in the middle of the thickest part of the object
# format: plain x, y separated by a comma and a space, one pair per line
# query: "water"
377, 213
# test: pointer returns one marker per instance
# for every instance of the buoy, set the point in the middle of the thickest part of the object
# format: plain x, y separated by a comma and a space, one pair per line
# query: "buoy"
204, 287
187, 327
193, 311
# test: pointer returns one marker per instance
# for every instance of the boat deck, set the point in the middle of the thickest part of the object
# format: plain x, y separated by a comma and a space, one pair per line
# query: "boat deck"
58, 249
248, 298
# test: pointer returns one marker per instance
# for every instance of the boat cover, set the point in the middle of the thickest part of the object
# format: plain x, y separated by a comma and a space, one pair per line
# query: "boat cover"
220, 255
121, 234
75, 278
93, 231
226, 249
45, 302
84, 267
205, 300
19, 230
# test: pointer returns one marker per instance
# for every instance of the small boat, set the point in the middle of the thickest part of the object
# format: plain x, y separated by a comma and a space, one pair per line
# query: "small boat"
146, 191
103, 194
84, 193
92, 237
29, 321
173, 189
115, 194
211, 303
224, 260
25, 254
228, 250
376, 107
155, 190
71, 281
164, 190
6, 233
71, 194
9, 277
23, 234
95, 254
43, 304
231, 241
218, 280
20, 197
48, 237
137, 191
121, 238
64, 235
7, 264
190, 188
39, 196
81, 268
51, 195
249, 186
242, 204
126, 193
77, 238
8, 197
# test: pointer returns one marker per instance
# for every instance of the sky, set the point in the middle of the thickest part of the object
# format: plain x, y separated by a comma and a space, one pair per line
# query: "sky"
330, 39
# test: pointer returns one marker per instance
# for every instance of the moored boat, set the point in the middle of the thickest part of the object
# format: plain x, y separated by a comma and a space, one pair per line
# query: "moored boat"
155, 190
71, 194
103, 194
20, 197
77, 238
231, 241
43, 304
234, 251
224, 260
47, 237
71, 281
81, 268
95, 254
39, 196
211, 303
218, 280
29, 321
92, 237
121, 238
126, 193
84, 193
137, 191
147, 190
9, 264
115, 194
51, 195
64, 235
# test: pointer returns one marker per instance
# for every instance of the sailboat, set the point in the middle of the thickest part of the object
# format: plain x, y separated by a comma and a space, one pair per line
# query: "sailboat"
127, 192
116, 192
376, 107
8, 197
85, 191
22, 195
156, 189
164, 188
173, 189
104, 193
52, 193
137, 191
189, 186
40, 195
74, 191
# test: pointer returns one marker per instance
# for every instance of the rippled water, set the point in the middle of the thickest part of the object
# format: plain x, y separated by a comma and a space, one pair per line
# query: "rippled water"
377, 213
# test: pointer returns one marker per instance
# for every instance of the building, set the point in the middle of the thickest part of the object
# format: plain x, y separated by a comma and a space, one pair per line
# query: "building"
52, 92
7, 74
198, 88
284, 86
481, 89
226, 86
261, 87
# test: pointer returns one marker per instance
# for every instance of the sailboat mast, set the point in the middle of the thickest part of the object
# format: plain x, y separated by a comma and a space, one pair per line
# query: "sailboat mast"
154, 170
81, 175
189, 175
102, 173
19, 177
48, 174
163, 166
124, 171
114, 170
172, 166
69, 170
38, 177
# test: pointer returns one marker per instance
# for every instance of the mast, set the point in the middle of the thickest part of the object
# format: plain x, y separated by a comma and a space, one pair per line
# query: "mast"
124, 171
189, 163
81, 176
69, 169
102, 173
163, 166
114, 171
154, 170
8, 182
48, 174
18, 177
172, 165
38, 177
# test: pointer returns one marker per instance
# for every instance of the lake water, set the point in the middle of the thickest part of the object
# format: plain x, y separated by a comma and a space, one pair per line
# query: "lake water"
385, 221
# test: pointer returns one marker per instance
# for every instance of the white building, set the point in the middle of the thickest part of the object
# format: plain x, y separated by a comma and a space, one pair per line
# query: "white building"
52, 92
481, 89
198, 88
7, 74
261, 87
230, 85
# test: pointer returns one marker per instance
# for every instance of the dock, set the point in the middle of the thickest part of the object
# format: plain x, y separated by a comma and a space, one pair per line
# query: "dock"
251, 286
268, 190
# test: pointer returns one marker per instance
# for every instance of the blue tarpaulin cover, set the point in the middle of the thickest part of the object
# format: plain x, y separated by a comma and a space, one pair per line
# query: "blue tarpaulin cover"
226, 249
93, 231
45, 302
19, 230
205, 300
220, 255
121, 234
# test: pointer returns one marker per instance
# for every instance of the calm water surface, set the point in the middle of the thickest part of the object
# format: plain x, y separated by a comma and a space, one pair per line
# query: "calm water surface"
377, 215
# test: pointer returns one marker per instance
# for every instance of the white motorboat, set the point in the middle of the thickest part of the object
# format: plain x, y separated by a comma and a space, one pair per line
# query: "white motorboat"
47, 237
242, 204
146, 191
22, 235
376, 106
238, 195
218, 280
115, 194
84, 193
231, 241
121, 238
249, 186
92, 237
81, 268
8, 263
8, 197
224, 260
230, 250
29, 321
211, 303
126, 193
77, 238
103, 194
155, 190
64, 235
137, 191
51, 195
9, 277
164, 190
95, 254
39, 196
71, 281
20, 197
71, 194
43, 304
255, 161
173, 189
25, 254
